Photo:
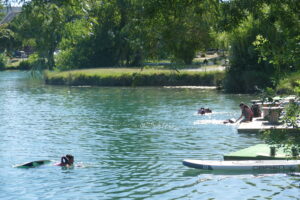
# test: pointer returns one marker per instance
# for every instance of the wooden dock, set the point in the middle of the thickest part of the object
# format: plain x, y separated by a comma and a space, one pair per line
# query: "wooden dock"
258, 152
259, 124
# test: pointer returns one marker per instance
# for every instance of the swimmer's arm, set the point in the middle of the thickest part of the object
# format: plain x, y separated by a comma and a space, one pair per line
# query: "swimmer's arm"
239, 118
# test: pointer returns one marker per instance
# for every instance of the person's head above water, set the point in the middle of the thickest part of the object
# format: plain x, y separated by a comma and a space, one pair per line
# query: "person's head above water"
201, 111
67, 160
64, 161
70, 159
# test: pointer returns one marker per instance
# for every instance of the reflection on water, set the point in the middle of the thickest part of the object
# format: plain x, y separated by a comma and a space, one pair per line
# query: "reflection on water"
130, 140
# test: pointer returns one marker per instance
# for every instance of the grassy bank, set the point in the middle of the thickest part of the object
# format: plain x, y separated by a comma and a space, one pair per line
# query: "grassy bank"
133, 77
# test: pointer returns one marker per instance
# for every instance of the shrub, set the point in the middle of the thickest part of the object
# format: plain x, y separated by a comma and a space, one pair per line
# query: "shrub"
3, 61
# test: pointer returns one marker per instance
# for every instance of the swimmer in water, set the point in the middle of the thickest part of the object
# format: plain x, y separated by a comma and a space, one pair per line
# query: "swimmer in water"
70, 158
207, 110
202, 111
66, 161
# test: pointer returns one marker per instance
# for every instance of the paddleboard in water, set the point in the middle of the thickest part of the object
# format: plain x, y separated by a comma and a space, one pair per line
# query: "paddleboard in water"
249, 165
33, 164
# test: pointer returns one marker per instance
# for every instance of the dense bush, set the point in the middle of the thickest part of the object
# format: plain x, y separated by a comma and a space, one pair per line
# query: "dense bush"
247, 72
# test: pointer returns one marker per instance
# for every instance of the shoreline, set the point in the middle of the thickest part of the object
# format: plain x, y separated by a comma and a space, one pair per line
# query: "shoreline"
193, 87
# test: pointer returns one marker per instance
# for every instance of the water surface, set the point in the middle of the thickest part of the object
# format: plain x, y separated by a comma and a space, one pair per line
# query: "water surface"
130, 142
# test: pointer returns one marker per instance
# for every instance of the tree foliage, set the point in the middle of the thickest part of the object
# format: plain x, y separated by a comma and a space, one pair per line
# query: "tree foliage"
262, 36
117, 32
272, 47
7, 39
44, 22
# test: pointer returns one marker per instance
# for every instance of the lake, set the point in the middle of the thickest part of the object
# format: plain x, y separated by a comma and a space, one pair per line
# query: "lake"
129, 143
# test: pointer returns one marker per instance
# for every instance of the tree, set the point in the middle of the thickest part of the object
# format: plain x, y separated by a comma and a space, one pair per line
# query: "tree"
115, 36
44, 22
246, 71
272, 47
182, 27
283, 46
7, 39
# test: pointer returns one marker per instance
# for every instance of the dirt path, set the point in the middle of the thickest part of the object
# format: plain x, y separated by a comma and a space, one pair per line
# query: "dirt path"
207, 69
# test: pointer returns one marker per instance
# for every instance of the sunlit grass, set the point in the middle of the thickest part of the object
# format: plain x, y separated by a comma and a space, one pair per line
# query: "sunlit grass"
119, 71
133, 76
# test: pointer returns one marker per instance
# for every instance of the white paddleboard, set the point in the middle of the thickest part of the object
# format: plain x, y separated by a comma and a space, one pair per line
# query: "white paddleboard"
249, 165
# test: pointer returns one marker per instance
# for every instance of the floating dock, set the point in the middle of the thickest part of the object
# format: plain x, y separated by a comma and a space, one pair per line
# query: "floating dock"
258, 152
259, 124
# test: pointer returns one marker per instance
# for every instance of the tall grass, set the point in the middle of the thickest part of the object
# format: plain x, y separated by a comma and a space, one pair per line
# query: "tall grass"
133, 77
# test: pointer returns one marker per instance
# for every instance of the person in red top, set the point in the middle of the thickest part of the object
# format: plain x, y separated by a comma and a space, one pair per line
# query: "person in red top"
246, 113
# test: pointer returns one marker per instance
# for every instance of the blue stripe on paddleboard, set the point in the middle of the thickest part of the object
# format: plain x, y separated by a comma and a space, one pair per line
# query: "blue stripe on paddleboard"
197, 166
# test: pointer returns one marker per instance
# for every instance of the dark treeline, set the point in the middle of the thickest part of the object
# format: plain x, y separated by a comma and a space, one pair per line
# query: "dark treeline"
261, 36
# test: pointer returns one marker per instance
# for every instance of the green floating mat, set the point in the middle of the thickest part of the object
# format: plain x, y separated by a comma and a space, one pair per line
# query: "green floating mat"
257, 152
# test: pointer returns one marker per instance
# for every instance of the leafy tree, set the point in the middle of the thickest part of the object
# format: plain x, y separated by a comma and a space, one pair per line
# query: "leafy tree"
44, 22
273, 44
117, 32
114, 37
283, 46
246, 72
182, 27
6, 38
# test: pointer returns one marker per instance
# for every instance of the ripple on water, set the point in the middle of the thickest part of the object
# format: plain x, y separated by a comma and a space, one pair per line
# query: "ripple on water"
131, 142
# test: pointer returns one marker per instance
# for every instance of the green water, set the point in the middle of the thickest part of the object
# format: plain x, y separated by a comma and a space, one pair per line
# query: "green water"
129, 143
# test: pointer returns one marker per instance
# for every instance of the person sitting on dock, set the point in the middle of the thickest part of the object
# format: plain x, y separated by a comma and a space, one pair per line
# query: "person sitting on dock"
256, 110
246, 112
